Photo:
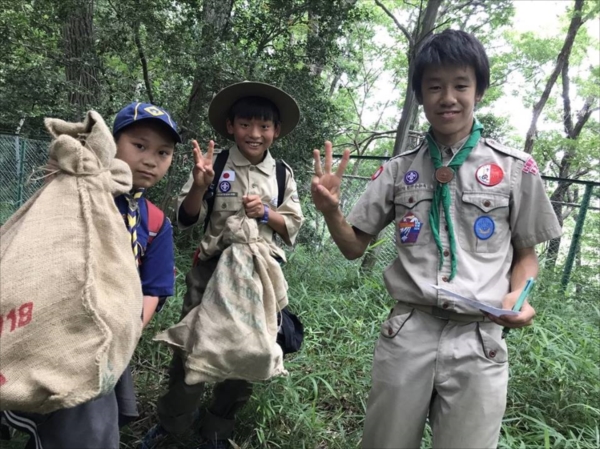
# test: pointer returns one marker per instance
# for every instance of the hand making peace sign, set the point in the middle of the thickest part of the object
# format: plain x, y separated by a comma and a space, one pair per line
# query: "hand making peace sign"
325, 186
203, 165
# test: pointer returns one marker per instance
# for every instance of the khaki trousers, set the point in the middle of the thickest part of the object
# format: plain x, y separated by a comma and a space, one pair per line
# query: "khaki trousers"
176, 409
454, 372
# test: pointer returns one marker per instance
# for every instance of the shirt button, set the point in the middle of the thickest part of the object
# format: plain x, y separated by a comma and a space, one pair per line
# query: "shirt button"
445, 305
252, 167
446, 253
390, 331
411, 200
449, 152
223, 206
446, 227
492, 354
445, 279
487, 203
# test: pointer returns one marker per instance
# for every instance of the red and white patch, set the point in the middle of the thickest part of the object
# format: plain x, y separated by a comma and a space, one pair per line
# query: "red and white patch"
377, 173
531, 167
2, 380
489, 175
228, 175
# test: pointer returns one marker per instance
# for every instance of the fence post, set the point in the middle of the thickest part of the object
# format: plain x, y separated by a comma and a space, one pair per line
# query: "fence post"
585, 202
20, 149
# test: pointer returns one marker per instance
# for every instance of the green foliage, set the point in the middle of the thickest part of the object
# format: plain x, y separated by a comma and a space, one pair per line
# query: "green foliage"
553, 389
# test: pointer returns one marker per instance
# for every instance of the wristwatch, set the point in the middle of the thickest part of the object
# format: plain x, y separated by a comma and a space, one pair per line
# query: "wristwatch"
265, 217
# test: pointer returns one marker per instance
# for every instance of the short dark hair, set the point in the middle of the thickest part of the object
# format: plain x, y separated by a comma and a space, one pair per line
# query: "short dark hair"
452, 48
254, 107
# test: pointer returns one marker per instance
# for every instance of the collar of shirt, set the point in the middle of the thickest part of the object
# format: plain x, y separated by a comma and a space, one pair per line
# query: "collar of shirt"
238, 159
452, 149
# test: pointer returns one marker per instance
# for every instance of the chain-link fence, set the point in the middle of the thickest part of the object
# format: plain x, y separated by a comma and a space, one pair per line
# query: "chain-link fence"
314, 232
577, 254
575, 257
19, 162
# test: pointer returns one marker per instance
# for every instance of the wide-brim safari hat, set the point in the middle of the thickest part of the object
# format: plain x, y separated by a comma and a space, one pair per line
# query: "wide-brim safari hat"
289, 112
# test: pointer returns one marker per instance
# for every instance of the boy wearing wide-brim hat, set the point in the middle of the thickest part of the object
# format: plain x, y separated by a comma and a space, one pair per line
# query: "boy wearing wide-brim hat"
253, 115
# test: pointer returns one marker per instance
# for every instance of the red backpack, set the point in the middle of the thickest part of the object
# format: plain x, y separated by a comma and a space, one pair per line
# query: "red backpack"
156, 219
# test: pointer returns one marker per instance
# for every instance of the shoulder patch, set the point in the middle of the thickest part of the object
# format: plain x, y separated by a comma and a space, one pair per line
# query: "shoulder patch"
531, 167
517, 154
379, 171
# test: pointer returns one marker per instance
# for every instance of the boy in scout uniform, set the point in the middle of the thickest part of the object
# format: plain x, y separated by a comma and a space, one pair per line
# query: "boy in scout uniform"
253, 115
468, 213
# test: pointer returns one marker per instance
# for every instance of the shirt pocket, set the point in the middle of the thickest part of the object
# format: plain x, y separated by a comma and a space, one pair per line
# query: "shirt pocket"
227, 204
412, 218
483, 221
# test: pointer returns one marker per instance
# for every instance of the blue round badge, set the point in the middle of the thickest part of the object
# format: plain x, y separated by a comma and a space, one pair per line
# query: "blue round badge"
224, 187
484, 227
411, 177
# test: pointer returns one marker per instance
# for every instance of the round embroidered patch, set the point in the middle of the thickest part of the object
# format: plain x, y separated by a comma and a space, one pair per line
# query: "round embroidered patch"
377, 173
484, 227
411, 177
224, 186
489, 175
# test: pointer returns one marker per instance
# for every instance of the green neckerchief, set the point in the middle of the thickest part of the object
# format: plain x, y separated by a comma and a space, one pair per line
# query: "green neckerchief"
442, 191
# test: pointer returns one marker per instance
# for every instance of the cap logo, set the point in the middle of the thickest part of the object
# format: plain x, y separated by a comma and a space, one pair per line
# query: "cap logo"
154, 111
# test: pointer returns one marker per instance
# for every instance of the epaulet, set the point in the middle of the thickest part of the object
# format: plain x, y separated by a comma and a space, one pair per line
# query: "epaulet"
409, 151
517, 154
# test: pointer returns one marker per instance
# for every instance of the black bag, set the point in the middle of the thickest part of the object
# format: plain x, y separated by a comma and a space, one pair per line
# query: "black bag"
291, 332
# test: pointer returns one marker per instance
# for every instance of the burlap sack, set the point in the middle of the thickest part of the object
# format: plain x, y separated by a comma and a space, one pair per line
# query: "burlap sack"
70, 294
232, 334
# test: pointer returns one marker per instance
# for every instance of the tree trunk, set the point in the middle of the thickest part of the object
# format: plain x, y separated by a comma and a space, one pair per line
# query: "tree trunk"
554, 244
216, 15
81, 63
563, 57
410, 107
143, 61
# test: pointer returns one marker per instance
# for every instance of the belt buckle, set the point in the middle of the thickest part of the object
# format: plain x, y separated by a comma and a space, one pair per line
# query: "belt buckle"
440, 313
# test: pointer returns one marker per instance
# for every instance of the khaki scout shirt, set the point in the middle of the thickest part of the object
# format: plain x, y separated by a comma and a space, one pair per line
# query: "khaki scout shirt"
243, 178
518, 206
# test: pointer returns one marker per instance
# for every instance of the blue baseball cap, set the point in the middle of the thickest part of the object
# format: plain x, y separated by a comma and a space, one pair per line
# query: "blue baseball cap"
137, 111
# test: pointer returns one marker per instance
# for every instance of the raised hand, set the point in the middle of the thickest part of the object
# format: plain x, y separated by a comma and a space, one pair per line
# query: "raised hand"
325, 186
203, 165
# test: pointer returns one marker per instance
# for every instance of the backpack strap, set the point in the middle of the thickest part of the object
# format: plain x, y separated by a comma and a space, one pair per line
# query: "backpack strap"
280, 174
156, 220
209, 196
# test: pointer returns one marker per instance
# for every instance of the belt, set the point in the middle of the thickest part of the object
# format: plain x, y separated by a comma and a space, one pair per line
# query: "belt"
444, 314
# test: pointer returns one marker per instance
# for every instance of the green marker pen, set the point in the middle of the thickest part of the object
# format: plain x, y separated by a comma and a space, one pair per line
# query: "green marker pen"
522, 297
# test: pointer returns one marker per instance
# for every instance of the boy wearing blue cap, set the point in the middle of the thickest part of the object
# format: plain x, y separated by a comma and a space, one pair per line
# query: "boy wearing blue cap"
146, 136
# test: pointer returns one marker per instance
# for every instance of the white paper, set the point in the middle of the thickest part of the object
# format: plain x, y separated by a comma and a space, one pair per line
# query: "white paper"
476, 304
